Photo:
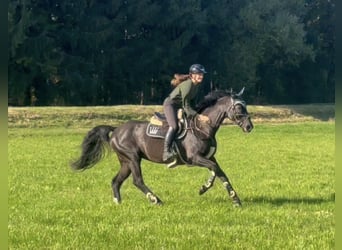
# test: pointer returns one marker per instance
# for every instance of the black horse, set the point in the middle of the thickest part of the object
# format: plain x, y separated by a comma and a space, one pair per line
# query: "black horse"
196, 148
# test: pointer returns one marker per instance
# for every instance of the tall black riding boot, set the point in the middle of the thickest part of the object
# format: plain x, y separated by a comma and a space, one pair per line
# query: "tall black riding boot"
170, 135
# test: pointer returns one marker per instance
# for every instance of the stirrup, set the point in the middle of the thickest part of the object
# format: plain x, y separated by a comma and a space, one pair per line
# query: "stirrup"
172, 164
172, 156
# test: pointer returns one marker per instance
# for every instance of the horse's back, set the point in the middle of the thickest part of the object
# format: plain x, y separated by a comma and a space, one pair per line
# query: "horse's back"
131, 137
129, 130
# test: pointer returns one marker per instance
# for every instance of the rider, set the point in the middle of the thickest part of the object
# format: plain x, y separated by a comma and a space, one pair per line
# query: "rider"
181, 96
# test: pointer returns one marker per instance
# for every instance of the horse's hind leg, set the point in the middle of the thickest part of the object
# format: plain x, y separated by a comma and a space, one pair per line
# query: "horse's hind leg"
138, 181
130, 163
117, 181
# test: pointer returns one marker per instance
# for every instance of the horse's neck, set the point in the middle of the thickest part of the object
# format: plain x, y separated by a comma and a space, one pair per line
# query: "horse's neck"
216, 116
217, 113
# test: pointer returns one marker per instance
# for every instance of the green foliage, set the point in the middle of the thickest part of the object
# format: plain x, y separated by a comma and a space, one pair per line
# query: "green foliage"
125, 52
283, 173
272, 41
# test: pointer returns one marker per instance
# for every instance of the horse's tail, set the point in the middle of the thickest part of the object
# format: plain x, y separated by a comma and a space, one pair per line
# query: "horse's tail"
93, 147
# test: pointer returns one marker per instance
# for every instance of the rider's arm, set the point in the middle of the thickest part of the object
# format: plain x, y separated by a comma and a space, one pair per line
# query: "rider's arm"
185, 90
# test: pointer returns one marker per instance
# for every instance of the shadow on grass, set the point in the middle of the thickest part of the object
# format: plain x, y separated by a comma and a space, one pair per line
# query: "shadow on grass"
285, 200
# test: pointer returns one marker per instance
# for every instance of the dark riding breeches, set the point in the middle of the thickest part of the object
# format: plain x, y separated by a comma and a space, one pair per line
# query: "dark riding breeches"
170, 114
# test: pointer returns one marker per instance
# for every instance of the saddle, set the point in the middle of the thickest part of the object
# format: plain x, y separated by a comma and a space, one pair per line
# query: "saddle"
158, 126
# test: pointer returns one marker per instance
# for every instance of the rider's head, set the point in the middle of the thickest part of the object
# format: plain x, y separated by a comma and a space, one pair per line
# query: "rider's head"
196, 72
197, 68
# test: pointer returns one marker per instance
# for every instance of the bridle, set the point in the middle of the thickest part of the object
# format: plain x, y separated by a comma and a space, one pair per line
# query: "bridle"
239, 119
231, 114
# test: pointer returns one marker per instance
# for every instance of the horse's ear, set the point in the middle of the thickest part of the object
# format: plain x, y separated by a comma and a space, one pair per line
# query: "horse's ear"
229, 91
241, 92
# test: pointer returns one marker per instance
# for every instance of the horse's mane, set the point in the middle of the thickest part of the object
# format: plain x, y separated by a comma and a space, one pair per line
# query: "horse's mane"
211, 98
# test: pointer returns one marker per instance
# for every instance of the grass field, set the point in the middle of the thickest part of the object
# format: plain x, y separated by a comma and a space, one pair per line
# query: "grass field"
282, 171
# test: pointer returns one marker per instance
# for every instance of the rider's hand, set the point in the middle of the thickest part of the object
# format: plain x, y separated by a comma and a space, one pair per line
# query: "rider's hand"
203, 118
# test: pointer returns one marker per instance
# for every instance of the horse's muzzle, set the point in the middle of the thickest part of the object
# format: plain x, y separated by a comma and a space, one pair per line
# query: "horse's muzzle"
248, 128
247, 125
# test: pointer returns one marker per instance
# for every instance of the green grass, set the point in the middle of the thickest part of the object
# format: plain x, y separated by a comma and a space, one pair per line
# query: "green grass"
283, 173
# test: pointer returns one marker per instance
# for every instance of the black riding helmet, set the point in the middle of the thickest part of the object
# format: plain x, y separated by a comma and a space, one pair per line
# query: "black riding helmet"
197, 68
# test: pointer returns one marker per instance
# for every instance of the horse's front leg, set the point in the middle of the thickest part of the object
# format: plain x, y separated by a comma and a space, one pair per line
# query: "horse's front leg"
214, 167
208, 184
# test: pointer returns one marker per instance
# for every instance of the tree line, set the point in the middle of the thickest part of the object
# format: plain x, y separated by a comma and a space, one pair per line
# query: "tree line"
108, 52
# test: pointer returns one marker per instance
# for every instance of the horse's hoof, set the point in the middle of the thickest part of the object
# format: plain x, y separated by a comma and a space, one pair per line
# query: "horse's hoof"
116, 201
237, 204
159, 203
153, 199
202, 190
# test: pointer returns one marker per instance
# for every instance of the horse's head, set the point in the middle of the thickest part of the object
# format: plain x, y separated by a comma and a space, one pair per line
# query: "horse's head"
237, 112
220, 104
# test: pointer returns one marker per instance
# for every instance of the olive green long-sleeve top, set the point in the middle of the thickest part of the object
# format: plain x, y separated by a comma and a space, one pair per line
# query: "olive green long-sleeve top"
183, 96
